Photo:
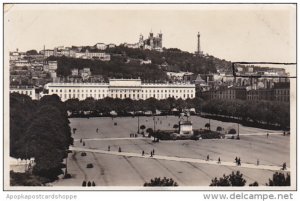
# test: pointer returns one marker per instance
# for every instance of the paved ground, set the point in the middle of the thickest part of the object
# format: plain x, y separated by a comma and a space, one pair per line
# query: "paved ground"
184, 161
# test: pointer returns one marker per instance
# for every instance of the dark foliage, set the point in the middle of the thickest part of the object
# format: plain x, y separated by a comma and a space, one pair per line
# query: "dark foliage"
234, 179
157, 181
280, 179
254, 184
40, 129
26, 179
90, 165
267, 113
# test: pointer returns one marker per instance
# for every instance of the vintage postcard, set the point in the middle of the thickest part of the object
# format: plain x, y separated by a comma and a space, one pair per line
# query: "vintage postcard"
150, 97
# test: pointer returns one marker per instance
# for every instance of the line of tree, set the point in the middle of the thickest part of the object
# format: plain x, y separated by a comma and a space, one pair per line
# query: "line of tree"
268, 113
236, 179
260, 112
123, 106
40, 129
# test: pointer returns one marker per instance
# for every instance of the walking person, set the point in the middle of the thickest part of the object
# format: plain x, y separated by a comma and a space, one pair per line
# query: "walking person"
97, 130
268, 135
257, 163
284, 166
143, 153
236, 160
153, 151
108, 148
207, 158
239, 161
120, 149
219, 160
151, 154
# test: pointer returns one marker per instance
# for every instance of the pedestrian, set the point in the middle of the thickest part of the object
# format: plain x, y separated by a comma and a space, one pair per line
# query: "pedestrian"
153, 151
97, 130
283, 133
83, 143
151, 154
236, 159
120, 149
239, 161
284, 166
80, 140
207, 157
268, 135
257, 163
108, 148
143, 153
219, 160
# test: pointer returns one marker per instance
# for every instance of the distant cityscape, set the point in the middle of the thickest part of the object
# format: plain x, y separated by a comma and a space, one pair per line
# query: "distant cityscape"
33, 74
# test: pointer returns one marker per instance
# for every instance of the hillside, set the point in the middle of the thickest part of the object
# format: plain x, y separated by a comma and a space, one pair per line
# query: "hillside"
125, 63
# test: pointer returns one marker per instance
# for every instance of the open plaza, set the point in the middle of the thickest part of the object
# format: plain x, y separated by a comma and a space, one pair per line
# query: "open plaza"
183, 160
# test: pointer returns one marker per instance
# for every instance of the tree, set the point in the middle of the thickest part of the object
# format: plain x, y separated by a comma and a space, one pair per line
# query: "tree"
232, 131
149, 131
207, 126
254, 184
234, 179
31, 52
157, 181
142, 127
219, 128
280, 179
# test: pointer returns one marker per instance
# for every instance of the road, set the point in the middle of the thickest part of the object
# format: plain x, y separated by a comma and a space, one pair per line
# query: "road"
180, 159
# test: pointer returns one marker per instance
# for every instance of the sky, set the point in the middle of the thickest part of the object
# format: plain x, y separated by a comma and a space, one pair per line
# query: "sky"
265, 33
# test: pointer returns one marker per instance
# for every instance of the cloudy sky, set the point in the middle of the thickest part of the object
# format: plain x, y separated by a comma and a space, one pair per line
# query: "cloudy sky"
231, 32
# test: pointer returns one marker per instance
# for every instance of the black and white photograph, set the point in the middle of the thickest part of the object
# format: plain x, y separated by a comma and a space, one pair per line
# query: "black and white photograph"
149, 97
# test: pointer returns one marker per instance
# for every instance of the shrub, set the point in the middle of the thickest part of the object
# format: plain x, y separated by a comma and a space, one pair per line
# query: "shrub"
84, 183
254, 184
157, 181
234, 179
279, 179
83, 154
232, 131
90, 165
67, 176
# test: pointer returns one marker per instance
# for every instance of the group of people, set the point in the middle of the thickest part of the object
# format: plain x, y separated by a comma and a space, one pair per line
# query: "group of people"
84, 183
238, 161
81, 141
133, 135
219, 159
119, 150
151, 153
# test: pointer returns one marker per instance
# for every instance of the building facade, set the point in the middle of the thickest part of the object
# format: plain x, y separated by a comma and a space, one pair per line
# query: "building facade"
121, 88
29, 91
282, 91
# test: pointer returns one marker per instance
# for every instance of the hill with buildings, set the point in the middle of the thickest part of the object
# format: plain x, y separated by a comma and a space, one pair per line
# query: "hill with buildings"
149, 65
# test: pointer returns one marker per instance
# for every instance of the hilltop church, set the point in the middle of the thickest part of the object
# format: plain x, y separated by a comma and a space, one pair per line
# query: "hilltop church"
151, 43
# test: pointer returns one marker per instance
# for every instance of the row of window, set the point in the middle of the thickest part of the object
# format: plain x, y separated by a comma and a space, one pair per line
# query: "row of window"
282, 92
23, 92
131, 96
116, 91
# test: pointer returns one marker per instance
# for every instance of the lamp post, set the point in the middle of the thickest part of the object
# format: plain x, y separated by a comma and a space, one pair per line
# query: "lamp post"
238, 130
153, 123
138, 124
